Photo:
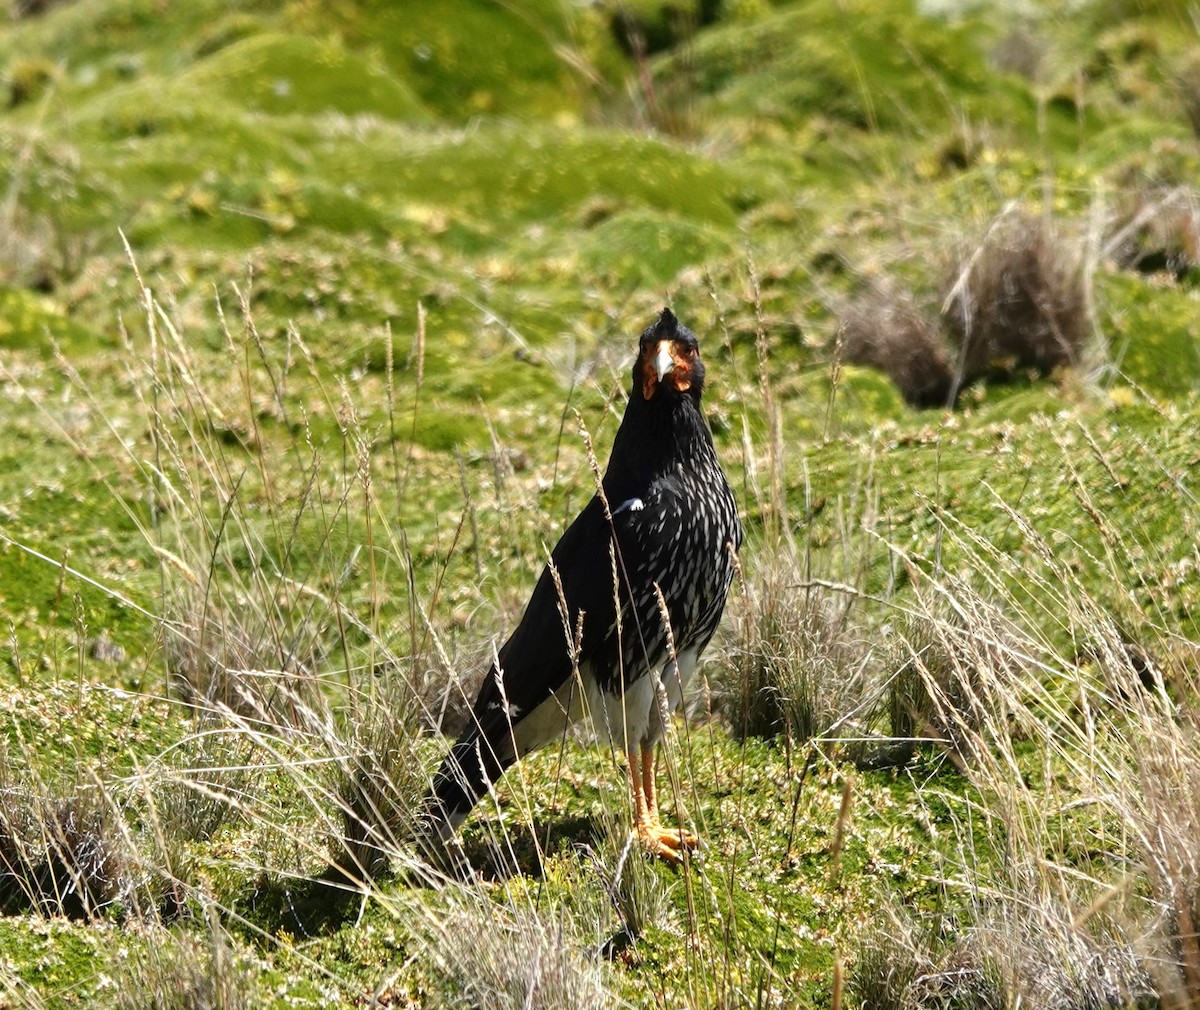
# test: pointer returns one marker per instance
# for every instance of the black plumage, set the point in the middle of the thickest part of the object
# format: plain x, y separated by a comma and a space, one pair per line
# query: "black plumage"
666, 518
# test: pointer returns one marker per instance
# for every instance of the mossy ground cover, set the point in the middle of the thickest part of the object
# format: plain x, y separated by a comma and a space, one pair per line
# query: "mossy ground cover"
394, 253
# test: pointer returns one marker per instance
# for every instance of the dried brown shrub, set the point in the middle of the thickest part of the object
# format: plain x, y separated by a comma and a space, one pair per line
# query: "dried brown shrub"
1157, 230
887, 330
1018, 301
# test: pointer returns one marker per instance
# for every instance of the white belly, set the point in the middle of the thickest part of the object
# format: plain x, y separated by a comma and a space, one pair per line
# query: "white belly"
629, 721
639, 717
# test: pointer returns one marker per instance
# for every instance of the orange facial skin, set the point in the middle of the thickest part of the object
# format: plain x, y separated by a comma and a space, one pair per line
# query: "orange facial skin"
678, 375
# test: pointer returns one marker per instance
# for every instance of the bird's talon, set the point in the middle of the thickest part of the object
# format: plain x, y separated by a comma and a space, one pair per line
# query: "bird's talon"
667, 843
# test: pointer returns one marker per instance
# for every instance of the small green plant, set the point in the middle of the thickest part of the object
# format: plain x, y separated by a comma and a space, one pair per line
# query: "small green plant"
28, 78
634, 889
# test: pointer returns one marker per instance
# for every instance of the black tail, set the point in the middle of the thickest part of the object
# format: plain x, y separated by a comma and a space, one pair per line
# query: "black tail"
472, 765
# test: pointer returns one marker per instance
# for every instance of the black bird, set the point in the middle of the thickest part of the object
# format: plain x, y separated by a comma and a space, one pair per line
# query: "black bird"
666, 518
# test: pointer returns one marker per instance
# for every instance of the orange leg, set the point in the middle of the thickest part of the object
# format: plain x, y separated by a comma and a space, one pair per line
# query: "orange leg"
666, 843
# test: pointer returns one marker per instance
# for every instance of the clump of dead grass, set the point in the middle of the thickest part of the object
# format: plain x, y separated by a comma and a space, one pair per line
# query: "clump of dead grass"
205, 783
797, 661
488, 957
1016, 304
380, 778
1011, 948
887, 330
636, 894
62, 852
1156, 230
1018, 300
1187, 83
236, 649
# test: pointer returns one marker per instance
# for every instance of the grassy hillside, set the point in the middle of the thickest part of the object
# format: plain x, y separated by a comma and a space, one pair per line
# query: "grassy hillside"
309, 313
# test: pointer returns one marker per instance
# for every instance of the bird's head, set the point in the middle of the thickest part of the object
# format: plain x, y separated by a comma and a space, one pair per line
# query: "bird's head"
668, 362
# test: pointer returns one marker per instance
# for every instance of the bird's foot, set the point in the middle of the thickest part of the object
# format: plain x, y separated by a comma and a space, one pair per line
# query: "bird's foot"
666, 843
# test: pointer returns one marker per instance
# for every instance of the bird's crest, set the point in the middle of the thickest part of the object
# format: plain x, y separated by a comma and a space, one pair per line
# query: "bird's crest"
665, 327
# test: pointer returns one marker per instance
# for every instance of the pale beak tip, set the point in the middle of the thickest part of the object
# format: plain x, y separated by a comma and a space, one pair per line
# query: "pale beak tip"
663, 360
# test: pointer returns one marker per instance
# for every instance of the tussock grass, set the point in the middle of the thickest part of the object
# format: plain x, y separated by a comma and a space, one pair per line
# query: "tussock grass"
1018, 300
62, 851
204, 783
886, 329
1187, 82
1017, 303
185, 971
634, 891
505, 958
798, 663
1012, 949
266, 637
1157, 230
380, 777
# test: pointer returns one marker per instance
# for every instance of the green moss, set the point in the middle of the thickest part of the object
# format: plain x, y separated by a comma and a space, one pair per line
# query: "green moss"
547, 171
463, 58
876, 68
293, 75
30, 322
1151, 333
58, 957
644, 249
105, 42
68, 521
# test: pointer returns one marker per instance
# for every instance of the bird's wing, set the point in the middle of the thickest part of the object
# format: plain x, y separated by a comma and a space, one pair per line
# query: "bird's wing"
537, 658
532, 665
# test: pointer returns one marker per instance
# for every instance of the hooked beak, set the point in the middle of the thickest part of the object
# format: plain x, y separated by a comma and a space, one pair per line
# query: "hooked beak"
664, 361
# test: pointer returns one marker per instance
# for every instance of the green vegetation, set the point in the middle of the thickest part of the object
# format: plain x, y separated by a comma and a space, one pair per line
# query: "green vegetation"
302, 309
